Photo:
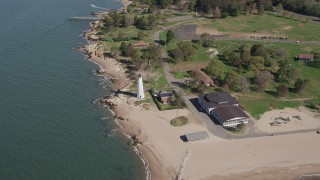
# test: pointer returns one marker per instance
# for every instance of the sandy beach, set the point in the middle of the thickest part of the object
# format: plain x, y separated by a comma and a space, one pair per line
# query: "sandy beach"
215, 158
288, 119
270, 157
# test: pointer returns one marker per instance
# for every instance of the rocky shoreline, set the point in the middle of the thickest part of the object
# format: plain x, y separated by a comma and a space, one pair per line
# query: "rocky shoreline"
112, 70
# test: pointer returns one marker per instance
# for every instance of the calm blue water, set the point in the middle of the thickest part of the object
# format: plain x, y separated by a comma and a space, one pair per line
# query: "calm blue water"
49, 128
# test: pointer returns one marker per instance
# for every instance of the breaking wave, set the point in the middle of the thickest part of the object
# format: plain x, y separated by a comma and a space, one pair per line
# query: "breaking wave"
97, 7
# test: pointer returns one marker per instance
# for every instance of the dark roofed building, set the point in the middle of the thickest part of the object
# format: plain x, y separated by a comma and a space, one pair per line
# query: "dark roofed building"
223, 107
306, 57
203, 77
230, 115
217, 99
165, 97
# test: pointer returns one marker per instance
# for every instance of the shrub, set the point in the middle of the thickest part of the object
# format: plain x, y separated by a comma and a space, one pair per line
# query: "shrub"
224, 14
179, 121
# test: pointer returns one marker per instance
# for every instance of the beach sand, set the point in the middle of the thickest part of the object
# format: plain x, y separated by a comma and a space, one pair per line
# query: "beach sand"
309, 120
215, 158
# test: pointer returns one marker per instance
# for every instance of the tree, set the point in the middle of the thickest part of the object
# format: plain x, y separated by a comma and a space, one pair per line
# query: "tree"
216, 12
165, 3
122, 36
170, 36
237, 61
137, 61
256, 63
282, 90
187, 49
227, 54
224, 14
214, 69
233, 81
152, 21
127, 21
244, 47
130, 51
196, 86
192, 5
205, 40
300, 85
123, 47
152, 8
261, 79
260, 9
177, 54
155, 52
279, 7
141, 35
205, 36
245, 56
244, 84
259, 50
286, 73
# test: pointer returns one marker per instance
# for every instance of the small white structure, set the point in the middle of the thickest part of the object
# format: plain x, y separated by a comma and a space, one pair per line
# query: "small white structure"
140, 94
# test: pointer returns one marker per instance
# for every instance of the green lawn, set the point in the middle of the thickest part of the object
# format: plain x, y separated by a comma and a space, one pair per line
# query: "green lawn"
159, 82
256, 106
268, 24
181, 75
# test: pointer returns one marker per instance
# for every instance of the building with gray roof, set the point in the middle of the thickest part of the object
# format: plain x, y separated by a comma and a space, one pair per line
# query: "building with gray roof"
196, 136
224, 108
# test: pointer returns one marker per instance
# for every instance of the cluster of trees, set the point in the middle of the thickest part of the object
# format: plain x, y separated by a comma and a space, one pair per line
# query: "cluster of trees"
307, 7
147, 58
114, 20
268, 66
223, 8
146, 22
257, 57
183, 51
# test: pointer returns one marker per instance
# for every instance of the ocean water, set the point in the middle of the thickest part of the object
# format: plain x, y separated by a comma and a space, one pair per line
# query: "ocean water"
49, 128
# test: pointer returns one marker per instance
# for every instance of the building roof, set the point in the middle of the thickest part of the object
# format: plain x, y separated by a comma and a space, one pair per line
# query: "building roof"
197, 136
229, 113
305, 56
165, 94
203, 76
140, 44
218, 99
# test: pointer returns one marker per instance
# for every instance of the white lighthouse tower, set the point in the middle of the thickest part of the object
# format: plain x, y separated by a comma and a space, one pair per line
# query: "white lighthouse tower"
140, 94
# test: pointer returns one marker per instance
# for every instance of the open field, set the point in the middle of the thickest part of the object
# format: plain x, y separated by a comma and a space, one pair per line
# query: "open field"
266, 25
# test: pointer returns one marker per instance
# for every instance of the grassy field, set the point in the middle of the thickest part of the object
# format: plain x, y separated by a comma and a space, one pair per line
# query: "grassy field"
257, 104
268, 24
181, 75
